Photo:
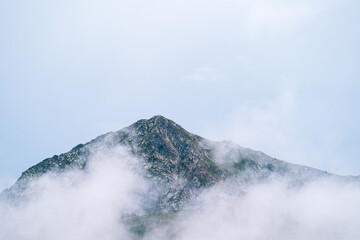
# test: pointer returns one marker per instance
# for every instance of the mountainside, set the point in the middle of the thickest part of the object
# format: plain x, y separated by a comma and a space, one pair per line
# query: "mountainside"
183, 162
177, 170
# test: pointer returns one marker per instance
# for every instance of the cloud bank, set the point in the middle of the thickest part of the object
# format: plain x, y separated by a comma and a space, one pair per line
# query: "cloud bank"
321, 210
97, 204
79, 205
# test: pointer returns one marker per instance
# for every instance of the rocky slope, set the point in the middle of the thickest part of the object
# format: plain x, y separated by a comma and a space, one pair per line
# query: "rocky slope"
180, 162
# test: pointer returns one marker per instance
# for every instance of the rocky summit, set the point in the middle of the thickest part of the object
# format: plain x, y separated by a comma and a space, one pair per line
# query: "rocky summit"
181, 163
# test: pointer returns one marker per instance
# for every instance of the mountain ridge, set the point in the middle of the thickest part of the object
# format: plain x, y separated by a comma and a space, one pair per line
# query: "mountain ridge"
183, 162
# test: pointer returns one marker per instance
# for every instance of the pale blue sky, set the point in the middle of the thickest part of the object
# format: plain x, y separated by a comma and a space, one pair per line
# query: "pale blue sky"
277, 76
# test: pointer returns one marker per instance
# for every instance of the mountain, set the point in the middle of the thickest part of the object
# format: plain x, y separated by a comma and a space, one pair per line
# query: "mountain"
182, 161
178, 164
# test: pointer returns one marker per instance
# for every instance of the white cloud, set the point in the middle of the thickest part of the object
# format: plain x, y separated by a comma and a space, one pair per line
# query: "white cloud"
320, 210
90, 204
262, 125
203, 75
79, 205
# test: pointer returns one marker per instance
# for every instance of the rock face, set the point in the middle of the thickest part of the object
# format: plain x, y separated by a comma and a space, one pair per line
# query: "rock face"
182, 162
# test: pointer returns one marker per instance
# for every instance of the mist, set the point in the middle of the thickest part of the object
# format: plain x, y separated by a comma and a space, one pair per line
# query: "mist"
79, 204
319, 210
95, 203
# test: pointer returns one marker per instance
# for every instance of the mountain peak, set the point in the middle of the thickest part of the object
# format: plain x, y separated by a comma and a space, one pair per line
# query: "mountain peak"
159, 117
160, 127
156, 121
179, 161
174, 151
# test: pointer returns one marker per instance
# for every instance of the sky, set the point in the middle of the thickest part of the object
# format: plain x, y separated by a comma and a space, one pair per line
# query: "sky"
276, 76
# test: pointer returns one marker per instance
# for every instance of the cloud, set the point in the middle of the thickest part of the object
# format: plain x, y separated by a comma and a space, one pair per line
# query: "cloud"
262, 125
203, 75
320, 210
324, 209
93, 204
288, 125
80, 204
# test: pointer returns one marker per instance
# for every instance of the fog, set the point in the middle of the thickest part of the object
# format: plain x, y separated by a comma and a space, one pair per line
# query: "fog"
320, 210
79, 205
93, 204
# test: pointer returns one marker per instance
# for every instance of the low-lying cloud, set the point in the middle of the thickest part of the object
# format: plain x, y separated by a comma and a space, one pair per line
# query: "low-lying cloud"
79, 204
93, 204
319, 210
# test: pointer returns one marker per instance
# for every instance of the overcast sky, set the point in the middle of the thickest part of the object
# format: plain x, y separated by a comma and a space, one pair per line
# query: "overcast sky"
277, 76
